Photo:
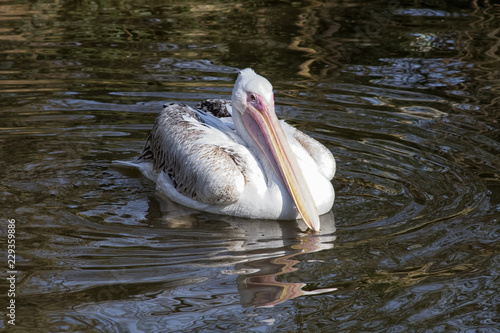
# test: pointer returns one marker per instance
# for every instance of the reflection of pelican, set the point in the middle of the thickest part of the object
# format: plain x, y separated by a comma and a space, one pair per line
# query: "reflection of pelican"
261, 253
249, 165
262, 288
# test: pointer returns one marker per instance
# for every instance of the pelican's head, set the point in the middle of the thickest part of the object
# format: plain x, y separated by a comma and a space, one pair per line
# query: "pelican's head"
253, 101
248, 87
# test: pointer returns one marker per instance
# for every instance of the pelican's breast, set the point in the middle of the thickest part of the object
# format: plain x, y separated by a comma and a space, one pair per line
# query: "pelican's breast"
317, 164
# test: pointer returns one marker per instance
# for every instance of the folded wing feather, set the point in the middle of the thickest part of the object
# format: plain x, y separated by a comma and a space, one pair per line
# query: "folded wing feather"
190, 152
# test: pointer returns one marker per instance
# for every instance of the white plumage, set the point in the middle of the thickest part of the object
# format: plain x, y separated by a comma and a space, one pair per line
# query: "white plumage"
239, 165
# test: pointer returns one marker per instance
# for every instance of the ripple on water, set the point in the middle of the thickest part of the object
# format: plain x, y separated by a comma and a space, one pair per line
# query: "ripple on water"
398, 166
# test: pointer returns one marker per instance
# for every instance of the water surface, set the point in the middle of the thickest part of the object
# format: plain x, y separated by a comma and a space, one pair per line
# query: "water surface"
404, 94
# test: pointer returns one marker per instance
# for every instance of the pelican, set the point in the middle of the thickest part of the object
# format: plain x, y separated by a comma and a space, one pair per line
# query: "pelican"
236, 158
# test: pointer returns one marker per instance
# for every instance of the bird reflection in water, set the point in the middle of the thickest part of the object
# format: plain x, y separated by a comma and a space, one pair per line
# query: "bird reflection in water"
263, 288
262, 252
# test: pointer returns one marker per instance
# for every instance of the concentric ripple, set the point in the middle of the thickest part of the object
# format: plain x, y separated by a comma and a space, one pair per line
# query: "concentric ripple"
400, 161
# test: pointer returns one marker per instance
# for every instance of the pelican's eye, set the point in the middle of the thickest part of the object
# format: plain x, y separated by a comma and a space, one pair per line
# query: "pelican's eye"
253, 98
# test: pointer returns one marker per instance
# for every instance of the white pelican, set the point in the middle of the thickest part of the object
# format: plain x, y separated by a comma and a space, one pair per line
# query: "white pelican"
249, 164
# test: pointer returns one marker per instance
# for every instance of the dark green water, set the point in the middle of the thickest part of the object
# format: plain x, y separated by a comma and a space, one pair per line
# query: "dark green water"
406, 94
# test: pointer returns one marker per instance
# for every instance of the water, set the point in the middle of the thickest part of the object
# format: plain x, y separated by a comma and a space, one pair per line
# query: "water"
405, 94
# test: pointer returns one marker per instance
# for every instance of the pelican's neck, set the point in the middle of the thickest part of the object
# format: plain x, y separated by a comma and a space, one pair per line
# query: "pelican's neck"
242, 130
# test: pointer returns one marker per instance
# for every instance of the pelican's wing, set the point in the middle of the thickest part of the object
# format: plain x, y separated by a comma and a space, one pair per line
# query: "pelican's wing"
201, 160
320, 154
